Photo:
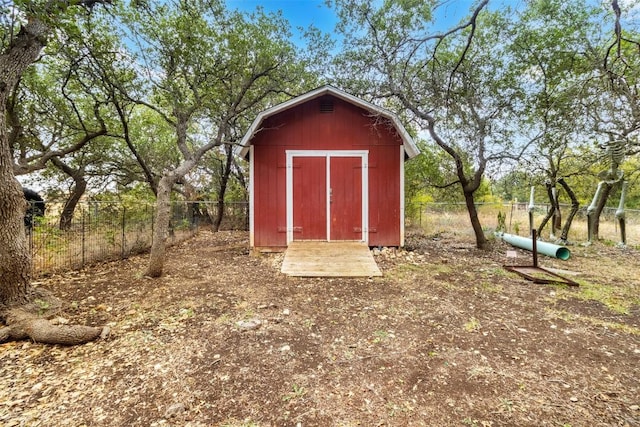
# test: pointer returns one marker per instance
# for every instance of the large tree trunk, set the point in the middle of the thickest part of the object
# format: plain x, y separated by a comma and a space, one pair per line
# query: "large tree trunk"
161, 225
16, 291
163, 197
481, 240
15, 268
469, 186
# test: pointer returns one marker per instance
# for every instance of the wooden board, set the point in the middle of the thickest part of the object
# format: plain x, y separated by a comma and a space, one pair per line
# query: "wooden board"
329, 259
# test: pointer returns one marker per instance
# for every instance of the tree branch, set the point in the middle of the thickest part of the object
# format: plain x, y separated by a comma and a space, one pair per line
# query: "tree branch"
473, 23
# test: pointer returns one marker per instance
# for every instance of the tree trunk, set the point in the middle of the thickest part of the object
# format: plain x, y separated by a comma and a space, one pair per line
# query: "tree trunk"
66, 217
163, 198
15, 265
195, 210
239, 175
79, 188
557, 215
481, 240
161, 225
224, 181
15, 268
550, 214
16, 291
575, 205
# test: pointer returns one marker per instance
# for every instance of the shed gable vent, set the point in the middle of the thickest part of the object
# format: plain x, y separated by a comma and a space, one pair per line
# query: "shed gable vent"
326, 105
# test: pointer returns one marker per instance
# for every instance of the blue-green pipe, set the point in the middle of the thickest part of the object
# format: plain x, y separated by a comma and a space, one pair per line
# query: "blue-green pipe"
543, 248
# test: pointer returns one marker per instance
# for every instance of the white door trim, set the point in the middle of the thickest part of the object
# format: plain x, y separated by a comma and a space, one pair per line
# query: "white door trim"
328, 154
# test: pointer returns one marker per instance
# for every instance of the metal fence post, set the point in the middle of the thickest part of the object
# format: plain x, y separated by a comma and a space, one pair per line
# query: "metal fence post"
83, 237
123, 251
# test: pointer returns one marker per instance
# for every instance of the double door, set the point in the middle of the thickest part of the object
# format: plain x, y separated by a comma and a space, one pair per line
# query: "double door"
326, 197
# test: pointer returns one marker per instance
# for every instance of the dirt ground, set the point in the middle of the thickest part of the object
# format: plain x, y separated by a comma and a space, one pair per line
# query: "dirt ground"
446, 337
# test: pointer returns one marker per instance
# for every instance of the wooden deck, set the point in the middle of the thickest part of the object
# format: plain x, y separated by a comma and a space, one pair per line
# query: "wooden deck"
329, 259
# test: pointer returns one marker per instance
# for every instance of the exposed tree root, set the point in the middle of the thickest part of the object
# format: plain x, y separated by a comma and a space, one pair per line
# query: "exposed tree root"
28, 322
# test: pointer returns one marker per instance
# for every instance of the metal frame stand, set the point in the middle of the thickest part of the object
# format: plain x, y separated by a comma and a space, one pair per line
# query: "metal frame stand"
537, 274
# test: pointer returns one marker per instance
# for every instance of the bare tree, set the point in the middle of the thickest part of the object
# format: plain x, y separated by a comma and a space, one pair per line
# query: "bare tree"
455, 85
201, 68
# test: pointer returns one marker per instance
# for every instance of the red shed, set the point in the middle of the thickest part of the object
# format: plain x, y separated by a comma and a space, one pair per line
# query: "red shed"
326, 166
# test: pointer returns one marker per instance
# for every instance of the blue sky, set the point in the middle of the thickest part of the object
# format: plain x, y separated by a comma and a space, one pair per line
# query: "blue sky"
303, 13
299, 13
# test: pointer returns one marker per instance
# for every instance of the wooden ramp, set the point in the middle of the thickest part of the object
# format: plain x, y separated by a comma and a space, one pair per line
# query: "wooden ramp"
329, 259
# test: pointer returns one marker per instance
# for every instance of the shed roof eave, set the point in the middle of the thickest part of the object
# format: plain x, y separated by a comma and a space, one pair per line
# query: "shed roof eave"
410, 147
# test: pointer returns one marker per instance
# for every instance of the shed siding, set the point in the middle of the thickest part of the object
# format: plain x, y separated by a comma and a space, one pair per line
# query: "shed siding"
384, 196
305, 127
269, 197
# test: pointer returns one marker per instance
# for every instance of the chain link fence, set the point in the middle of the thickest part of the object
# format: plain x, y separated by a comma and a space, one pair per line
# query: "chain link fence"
103, 231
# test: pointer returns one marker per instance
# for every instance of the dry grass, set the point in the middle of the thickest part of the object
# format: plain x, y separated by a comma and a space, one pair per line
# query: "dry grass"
454, 219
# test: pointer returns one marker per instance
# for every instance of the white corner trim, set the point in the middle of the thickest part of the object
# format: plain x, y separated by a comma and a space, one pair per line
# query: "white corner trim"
289, 197
401, 197
251, 198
